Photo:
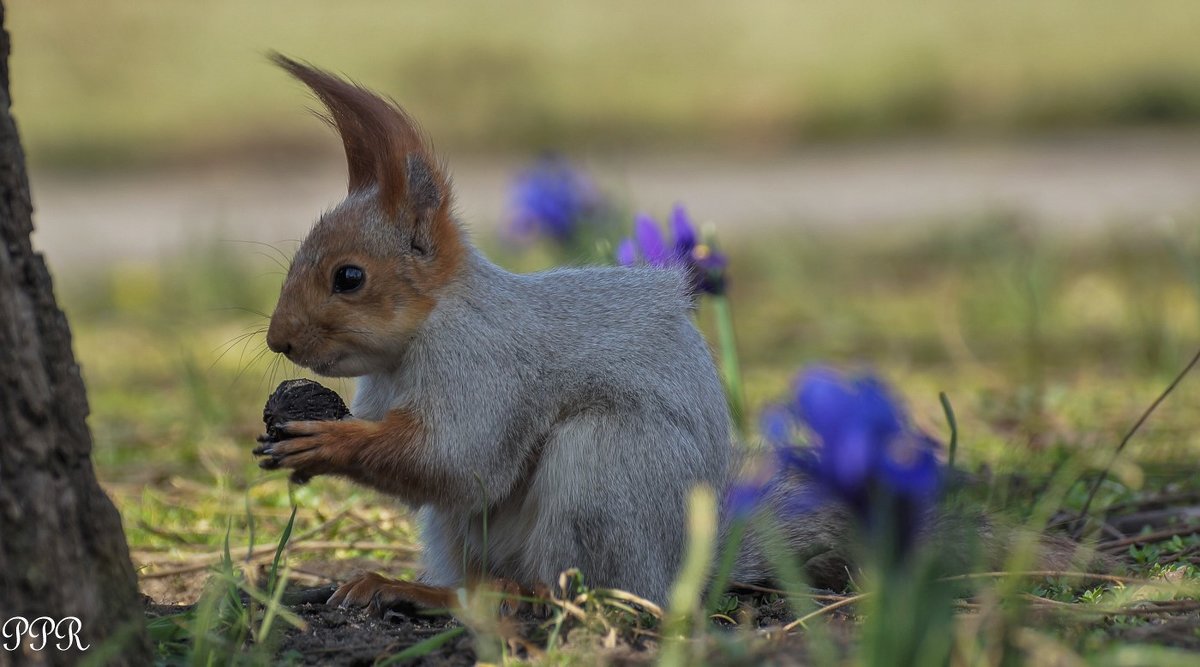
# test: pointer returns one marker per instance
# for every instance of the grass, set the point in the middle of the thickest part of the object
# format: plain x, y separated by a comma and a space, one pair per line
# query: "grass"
1048, 349
188, 80
230, 612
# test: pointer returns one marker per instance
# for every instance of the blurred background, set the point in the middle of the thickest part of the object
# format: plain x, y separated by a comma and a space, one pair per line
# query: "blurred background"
767, 112
994, 199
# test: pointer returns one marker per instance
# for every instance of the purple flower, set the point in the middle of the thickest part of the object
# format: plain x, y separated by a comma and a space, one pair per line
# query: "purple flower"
863, 454
553, 199
704, 265
746, 497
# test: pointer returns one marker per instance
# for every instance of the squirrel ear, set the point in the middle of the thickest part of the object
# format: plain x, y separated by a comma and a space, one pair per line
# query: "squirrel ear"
426, 196
384, 146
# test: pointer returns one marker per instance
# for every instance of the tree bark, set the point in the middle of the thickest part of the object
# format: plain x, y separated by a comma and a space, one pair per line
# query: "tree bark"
62, 549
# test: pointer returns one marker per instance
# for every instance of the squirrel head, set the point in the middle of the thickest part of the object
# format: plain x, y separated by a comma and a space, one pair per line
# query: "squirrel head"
371, 269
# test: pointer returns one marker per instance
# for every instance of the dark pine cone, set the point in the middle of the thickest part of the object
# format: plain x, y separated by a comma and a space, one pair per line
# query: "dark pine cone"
301, 400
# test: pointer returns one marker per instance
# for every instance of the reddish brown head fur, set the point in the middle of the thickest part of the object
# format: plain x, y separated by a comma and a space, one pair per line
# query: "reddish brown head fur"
380, 138
396, 226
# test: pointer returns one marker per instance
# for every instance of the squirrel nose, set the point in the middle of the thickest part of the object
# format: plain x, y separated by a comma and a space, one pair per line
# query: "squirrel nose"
278, 343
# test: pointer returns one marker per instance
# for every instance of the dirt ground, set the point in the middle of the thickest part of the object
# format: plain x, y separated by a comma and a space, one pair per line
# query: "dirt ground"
361, 637
355, 637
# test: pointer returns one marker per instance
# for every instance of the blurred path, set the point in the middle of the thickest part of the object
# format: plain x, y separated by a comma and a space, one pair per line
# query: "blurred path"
1063, 183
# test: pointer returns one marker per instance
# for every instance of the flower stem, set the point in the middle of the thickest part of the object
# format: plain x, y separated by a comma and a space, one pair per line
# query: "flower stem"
730, 368
953, 422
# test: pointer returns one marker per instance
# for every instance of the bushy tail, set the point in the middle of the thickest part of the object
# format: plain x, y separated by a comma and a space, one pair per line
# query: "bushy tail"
823, 540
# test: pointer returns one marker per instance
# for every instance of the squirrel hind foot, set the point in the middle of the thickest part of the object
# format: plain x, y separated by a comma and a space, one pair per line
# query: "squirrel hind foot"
381, 594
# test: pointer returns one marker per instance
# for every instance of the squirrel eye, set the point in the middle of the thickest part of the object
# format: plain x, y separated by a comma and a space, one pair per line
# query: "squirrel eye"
348, 278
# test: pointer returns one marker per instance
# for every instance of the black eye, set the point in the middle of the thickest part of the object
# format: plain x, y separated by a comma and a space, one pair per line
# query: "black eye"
348, 278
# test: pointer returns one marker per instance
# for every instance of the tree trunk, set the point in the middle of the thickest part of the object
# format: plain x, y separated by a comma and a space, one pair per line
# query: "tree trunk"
62, 549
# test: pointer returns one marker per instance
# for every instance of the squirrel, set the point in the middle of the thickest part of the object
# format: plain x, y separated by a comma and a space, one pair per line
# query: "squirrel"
537, 422
574, 408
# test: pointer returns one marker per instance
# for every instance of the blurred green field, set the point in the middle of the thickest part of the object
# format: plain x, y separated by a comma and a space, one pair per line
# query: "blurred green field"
188, 81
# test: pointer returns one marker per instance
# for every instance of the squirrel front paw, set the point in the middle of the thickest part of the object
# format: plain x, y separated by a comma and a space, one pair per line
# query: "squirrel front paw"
307, 448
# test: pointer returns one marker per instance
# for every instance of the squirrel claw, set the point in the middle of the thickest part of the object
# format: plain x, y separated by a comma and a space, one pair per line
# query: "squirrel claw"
299, 478
289, 430
510, 598
540, 608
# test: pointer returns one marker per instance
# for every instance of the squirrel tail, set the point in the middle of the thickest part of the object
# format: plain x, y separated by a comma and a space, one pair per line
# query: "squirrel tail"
823, 541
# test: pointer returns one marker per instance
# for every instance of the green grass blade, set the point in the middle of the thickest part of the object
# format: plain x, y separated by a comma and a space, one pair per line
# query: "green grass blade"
249, 527
733, 543
680, 620
283, 540
730, 364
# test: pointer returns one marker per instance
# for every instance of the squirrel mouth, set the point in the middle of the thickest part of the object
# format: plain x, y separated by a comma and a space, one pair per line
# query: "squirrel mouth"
321, 366
306, 361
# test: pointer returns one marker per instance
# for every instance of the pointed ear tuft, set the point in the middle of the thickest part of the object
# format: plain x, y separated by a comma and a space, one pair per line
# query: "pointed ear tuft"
382, 142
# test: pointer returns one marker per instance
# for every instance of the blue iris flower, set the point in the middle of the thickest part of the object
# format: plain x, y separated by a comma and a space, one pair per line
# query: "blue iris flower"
704, 265
863, 452
553, 199
746, 497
